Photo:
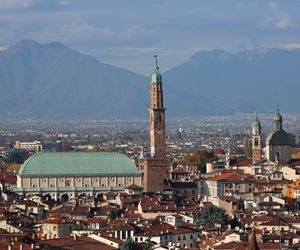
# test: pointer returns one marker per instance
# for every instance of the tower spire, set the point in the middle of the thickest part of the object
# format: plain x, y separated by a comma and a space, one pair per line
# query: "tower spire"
278, 120
156, 60
156, 77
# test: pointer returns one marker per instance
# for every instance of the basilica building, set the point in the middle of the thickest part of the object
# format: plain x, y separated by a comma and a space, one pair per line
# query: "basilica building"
62, 176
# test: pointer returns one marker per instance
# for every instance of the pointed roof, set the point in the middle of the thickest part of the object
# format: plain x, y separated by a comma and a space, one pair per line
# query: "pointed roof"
252, 241
256, 125
142, 154
156, 77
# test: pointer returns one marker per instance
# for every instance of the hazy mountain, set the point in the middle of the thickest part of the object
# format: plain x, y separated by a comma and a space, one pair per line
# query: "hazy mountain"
218, 82
54, 81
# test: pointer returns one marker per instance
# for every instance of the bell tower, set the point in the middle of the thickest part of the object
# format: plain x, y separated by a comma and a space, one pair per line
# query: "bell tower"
153, 168
256, 141
157, 116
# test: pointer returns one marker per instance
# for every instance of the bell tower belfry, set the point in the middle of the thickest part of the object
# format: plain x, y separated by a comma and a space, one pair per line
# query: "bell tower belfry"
256, 141
153, 168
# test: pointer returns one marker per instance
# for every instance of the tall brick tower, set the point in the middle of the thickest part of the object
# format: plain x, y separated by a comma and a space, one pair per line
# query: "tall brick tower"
256, 141
157, 116
154, 167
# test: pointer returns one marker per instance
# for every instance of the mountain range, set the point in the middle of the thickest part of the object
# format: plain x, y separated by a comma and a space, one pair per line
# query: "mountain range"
53, 81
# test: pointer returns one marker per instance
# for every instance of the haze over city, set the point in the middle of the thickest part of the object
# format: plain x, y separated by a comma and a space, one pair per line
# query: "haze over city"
149, 125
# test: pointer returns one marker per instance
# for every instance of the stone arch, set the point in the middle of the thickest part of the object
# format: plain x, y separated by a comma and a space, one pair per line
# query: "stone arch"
48, 197
81, 195
99, 196
64, 198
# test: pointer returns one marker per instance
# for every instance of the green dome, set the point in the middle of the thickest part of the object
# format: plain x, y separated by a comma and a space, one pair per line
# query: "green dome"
78, 164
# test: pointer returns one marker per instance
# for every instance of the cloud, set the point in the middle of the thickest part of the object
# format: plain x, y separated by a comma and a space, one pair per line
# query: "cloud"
276, 19
64, 2
292, 46
16, 4
2, 48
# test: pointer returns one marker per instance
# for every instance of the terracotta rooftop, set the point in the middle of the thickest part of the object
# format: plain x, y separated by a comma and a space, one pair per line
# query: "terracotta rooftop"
80, 243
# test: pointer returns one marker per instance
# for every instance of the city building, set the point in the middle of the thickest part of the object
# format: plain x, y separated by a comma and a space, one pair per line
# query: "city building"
34, 146
61, 176
278, 145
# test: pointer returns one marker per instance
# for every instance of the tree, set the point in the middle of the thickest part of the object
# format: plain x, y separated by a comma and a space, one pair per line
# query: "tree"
128, 245
212, 215
17, 156
247, 146
149, 245
197, 158
234, 223
115, 213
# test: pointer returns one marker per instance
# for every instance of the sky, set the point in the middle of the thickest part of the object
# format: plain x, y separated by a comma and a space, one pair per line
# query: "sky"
127, 33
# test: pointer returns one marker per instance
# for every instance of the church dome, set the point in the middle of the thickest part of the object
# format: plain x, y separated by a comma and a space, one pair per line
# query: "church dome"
278, 137
78, 164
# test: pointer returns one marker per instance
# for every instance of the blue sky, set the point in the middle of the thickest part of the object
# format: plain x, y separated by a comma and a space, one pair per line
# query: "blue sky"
127, 33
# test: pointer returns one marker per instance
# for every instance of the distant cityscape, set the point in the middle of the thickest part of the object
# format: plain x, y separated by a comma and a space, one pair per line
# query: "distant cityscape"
211, 182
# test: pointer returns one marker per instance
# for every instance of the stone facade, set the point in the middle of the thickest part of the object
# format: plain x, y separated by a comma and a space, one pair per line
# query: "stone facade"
58, 187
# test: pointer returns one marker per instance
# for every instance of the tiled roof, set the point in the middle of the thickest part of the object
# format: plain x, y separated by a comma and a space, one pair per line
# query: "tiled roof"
80, 243
227, 177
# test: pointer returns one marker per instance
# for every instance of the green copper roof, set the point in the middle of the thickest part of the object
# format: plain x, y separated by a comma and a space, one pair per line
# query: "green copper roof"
78, 164
256, 125
156, 77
